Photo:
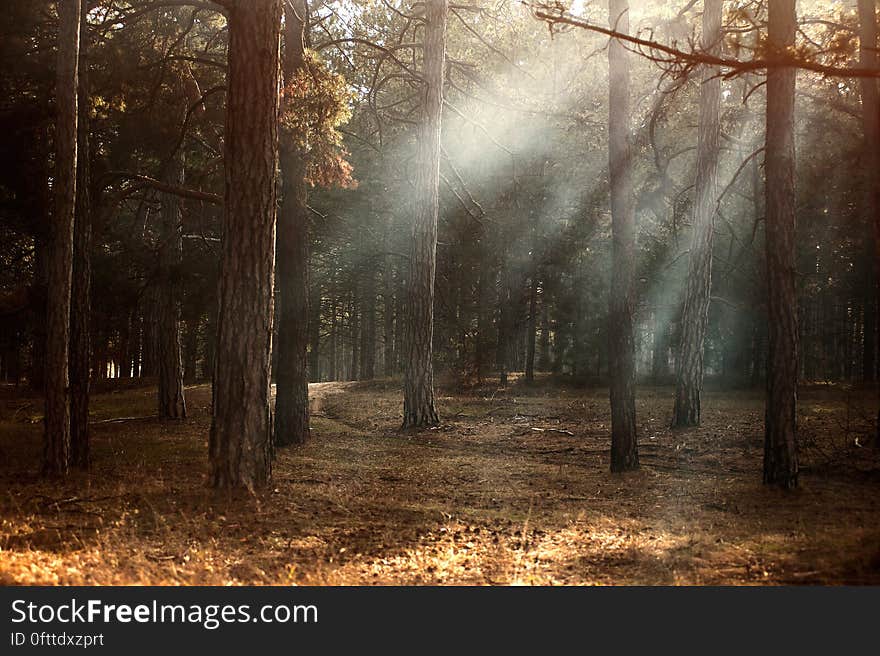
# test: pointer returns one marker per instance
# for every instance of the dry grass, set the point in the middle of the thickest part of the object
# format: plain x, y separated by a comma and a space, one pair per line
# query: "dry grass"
484, 499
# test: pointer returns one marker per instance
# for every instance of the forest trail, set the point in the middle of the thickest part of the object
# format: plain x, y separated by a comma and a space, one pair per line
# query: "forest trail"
512, 488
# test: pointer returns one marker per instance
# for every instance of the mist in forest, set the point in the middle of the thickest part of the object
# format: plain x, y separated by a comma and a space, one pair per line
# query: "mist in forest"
380, 291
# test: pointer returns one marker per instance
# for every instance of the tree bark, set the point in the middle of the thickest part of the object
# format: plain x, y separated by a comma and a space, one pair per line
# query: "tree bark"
240, 445
695, 313
418, 386
624, 445
780, 441
56, 453
80, 310
292, 246
172, 403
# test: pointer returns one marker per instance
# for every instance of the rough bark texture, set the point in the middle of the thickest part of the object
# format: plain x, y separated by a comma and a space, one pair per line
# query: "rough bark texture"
780, 441
240, 446
172, 404
418, 385
56, 454
292, 375
695, 313
80, 309
624, 445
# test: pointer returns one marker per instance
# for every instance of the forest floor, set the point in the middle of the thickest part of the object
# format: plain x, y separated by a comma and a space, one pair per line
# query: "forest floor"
512, 488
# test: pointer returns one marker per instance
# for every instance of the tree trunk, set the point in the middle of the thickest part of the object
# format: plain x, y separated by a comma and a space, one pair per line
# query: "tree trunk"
695, 313
624, 445
57, 454
80, 309
172, 404
240, 446
292, 250
780, 442
418, 386
868, 58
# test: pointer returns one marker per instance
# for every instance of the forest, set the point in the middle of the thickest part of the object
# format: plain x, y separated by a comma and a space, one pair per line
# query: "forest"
408, 292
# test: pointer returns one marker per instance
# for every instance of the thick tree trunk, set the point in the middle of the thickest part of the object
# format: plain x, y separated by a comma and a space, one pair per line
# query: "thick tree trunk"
418, 385
695, 313
240, 446
172, 404
80, 309
624, 444
292, 249
780, 442
56, 453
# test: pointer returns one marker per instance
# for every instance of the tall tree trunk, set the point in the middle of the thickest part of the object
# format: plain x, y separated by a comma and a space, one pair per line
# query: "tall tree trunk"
418, 385
624, 444
869, 58
695, 313
780, 441
56, 453
240, 446
80, 309
292, 248
172, 404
